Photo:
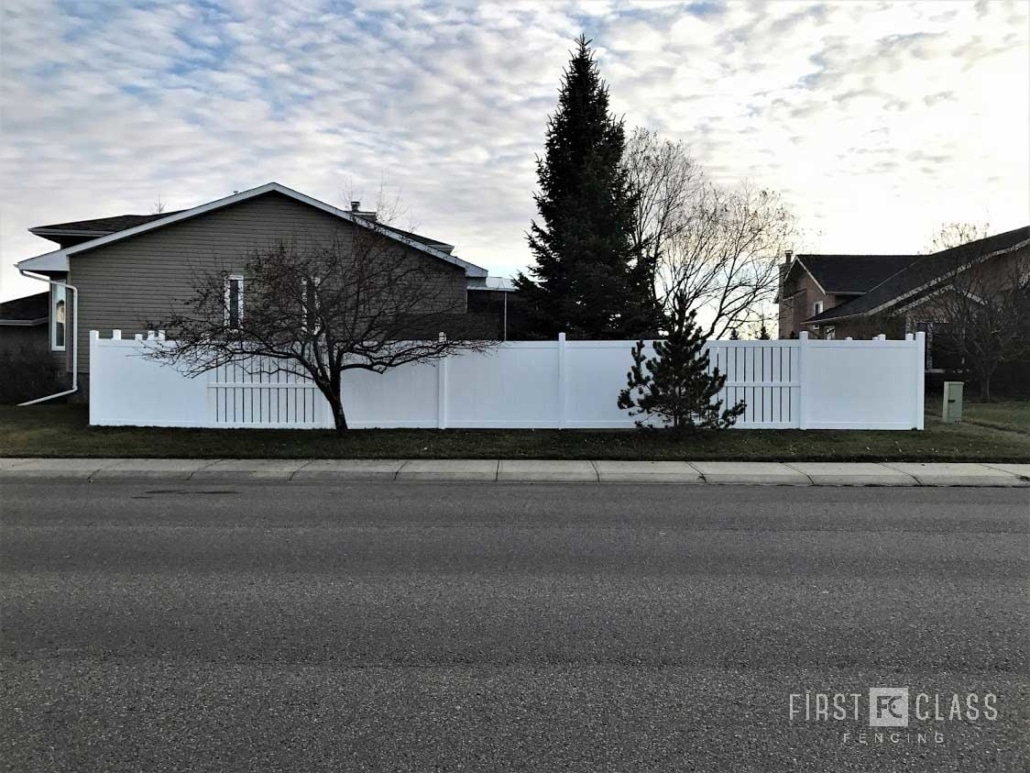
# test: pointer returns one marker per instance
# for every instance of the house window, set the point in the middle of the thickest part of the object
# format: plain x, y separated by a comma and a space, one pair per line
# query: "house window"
309, 295
831, 333
233, 301
58, 317
817, 308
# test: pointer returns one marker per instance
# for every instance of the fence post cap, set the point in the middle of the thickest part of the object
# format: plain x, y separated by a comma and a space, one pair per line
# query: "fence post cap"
561, 336
94, 334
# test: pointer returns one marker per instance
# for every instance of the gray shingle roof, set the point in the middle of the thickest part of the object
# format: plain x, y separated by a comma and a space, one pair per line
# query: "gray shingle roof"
853, 274
104, 225
27, 309
923, 271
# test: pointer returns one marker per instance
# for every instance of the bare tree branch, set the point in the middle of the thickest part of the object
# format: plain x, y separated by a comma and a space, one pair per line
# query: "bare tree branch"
361, 301
716, 247
981, 313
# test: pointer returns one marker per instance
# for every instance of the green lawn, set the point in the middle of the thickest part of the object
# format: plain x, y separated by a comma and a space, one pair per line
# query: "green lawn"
61, 430
1013, 416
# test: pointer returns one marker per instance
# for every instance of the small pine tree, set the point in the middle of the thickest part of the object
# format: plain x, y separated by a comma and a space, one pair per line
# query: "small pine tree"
763, 334
675, 385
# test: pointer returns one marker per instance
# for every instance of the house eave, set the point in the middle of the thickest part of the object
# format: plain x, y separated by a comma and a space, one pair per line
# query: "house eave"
45, 232
48, 261
23, 322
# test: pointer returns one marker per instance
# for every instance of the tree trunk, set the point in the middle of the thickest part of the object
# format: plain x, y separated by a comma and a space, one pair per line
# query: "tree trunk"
339, 418
985, 387
334, 397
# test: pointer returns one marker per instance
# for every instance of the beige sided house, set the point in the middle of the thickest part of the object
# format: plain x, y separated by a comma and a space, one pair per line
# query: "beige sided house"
116, 273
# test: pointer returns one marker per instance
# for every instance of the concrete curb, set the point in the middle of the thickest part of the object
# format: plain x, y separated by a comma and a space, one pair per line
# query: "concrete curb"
516, 471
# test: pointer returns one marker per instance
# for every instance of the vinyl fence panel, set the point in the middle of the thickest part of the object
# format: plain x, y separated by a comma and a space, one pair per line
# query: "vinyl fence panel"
799, 383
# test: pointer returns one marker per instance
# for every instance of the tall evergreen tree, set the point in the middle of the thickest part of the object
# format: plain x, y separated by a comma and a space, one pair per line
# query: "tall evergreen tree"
585, 281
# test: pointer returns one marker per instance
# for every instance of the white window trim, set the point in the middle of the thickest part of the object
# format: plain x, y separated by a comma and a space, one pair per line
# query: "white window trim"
239, 300
53, 316
817, 308
305, 293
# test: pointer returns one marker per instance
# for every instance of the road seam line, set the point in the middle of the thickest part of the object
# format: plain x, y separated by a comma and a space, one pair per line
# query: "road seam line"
201, 469
306, 464
790, 466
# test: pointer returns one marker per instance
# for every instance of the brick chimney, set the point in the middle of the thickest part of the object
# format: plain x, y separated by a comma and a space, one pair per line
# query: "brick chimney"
788, 258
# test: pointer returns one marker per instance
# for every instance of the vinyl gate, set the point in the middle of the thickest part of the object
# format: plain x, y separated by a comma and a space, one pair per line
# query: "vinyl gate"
766, 375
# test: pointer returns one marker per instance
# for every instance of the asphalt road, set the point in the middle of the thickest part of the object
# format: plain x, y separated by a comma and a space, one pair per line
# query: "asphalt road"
423, 627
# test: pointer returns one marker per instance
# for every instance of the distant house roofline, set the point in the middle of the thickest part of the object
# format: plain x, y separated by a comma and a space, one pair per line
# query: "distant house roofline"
844, 274
923, 274
27, 311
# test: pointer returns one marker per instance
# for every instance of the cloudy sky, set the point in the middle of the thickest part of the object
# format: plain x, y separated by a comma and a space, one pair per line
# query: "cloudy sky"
877, 121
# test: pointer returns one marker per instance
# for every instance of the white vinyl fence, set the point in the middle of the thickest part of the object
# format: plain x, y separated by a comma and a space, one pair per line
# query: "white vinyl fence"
803, 383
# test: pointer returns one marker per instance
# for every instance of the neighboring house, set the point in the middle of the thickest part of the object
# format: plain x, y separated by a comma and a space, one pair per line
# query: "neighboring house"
125, 270
837, 296
23, 324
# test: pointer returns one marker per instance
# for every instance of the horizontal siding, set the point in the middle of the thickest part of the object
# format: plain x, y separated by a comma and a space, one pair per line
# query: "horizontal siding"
124, 284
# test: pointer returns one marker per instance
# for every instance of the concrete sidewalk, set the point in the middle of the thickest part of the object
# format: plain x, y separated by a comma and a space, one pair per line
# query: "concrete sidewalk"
519, 470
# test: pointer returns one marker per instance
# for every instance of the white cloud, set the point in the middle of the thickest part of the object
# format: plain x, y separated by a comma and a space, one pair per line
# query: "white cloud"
877, 120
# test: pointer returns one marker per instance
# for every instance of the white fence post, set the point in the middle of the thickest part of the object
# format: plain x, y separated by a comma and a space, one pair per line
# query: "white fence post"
802, 389
441, 389
920, 369
562, 381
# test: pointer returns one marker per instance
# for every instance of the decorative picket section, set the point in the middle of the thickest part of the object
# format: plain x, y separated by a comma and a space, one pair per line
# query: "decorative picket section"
260, 395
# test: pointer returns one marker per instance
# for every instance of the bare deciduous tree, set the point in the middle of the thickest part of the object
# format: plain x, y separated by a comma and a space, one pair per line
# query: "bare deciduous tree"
362, 301
982, 316
666, 178
717, 247
957, 233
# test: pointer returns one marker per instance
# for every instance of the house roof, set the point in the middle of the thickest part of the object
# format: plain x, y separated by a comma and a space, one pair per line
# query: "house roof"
435, 243
852, 274
57, 260
497, 284
100, 226
29, 310
924, 272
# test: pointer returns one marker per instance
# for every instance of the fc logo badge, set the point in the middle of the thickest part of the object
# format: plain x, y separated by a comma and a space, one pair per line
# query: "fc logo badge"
888, 707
